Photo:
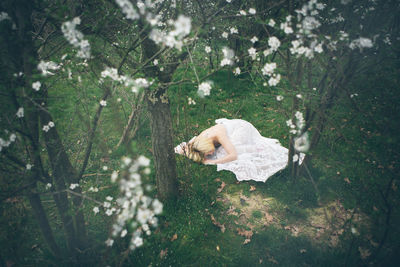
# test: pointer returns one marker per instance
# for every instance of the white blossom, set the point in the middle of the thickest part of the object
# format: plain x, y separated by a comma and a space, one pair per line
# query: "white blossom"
236, 71
233, 30
279, 98
75, 37
48, 186
295, 157
51, 124
242, 12
44, 67
301, 143
103, 103
204, 88
274, 80
36, 86
29, 166
271, 23
155, 62
73, 186
268, 68
20, 112
114, 176
109, 242
299, 96
191, 101
252, 11
225, 35
128, 9
143, 161
274, 43
207, 49
254, 39
96, 210
109, 212
46, 128
252, 52
124, 232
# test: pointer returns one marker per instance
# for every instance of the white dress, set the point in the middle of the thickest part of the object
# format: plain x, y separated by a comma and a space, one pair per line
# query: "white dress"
258, 157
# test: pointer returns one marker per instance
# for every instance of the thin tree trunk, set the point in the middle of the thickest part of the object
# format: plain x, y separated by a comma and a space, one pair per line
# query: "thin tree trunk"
43, 222
163, 148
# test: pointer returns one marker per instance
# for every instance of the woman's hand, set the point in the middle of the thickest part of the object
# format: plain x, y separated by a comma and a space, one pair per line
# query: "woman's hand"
208, 162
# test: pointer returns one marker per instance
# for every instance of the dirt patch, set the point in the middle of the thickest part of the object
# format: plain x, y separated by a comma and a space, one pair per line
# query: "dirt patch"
322, 225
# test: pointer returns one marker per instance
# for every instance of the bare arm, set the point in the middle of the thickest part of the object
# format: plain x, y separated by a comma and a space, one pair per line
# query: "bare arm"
231, 153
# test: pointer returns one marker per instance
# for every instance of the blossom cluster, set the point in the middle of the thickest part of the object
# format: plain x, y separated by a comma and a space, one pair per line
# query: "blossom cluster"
204, 88
44, 67
75, 37
229, 55
173, 38
133, 209
134, 84
7, 143
47, 127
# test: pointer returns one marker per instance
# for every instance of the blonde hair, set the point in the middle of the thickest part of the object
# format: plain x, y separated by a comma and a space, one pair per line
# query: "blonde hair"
198, 148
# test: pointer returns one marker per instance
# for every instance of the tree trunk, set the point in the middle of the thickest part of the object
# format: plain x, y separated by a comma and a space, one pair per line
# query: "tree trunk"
163, 148
63, 172
43, 222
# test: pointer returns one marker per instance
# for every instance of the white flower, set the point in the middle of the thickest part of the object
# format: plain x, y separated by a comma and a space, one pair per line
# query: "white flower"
105, 168
28, 166
354, 230
96, 210
274, 80
51, 124
279, 97
233, 30
73, 186
103, 103
299, 96
254, 39
252, 11
315, 89
109, 198
46, 128
114, 176
157, 206
204, 88
252, 52
138, 241
228, 1
301, 143
236, 71
48, 186
207, 49
106, 204
143, 161
242, 12
225, 35
268, 68
267, 52
36, 85
191, 101
155, 62
126, 160
147, 171
109, 212
109, 242
20, 112
318, 48
124, 232
182, 26
75, 37
271, 23
128, 9
45, 66
361, 42
274, 43
4, 16
295, 157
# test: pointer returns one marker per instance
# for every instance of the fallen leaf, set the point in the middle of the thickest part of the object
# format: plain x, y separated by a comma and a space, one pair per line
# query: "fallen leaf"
231, 211
221, 226
247, 234
269, 217
252, 188
221, 188
247, 240
174, 237
217, 180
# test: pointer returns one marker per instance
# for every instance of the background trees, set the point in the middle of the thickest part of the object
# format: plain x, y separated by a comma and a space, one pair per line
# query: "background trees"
85, 85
